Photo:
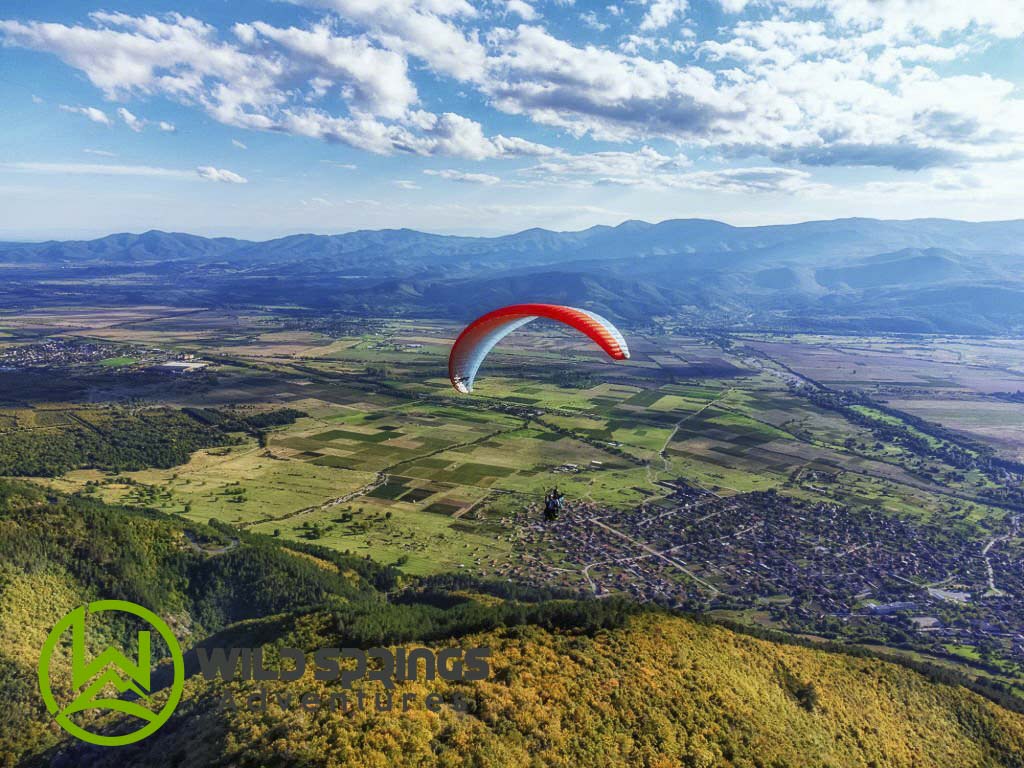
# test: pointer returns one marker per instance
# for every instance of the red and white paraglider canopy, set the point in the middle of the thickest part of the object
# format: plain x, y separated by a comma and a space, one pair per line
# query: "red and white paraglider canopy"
480, 336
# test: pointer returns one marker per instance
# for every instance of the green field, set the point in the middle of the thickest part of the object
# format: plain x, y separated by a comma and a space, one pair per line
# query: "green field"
424, 476
118, 362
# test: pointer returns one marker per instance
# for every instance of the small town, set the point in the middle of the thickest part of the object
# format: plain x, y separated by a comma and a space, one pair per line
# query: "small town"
812, 568
66, 353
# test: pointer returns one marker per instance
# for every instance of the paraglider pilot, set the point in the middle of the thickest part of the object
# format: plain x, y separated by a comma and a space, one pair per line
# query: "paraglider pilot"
553, 504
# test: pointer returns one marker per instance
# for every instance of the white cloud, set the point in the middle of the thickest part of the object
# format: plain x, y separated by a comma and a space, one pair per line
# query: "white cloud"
423, 134
513, 146
902, 18
422, 28
814, 82
791, 90
268, 80
133, 122
178, 56
639, 168
166, 127
607, 94
360, 131
100, 152
406, 184
835, 101
206, 172
99, 169
680, 42
751, 180
661, 13
522, 9
93, 113
238, 144
649, 169
210, 173
452, 134
468, 178
37, 99
373, 79
590, 19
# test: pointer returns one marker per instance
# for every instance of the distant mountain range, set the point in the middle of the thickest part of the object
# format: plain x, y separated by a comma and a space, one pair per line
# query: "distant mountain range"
924, 275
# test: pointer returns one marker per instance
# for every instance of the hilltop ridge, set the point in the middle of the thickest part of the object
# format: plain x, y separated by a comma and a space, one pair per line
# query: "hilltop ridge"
919, 276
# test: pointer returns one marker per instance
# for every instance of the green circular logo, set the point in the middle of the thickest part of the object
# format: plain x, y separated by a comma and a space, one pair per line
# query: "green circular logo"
91, 680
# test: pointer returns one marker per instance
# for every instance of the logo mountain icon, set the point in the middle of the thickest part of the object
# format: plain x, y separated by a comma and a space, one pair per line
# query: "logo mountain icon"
92, 681
109, 668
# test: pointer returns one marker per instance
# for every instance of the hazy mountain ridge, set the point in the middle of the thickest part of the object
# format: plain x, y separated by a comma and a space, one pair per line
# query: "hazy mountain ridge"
857, 268
840, 237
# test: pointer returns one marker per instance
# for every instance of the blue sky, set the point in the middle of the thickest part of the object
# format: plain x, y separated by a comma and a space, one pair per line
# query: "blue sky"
259, 119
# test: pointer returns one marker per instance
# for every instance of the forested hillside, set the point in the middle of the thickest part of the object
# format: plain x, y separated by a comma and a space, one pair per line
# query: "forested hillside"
57, 553
661, 691
572, 683
123, 439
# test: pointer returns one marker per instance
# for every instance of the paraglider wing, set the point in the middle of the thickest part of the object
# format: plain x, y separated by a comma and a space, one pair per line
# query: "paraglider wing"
480, 336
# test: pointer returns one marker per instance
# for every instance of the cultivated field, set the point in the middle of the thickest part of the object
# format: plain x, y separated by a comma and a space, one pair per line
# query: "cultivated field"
389, 461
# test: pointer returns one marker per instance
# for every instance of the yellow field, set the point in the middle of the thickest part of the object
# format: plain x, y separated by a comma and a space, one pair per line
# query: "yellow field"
272, 487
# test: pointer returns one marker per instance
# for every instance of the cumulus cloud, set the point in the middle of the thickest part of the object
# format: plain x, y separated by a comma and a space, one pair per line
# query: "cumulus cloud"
238, 144
522, 9
93, 113
407, 184
425, 29
799, 90
608, 94
462, 176
373, 79
806, 82
423, 133
835, 104
661, 13
176, 56
901, 18
269, 77
678, 43
124, 54
210, 173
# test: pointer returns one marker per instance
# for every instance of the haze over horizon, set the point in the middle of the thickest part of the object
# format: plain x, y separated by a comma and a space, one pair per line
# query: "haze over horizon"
511, 233
326, 116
